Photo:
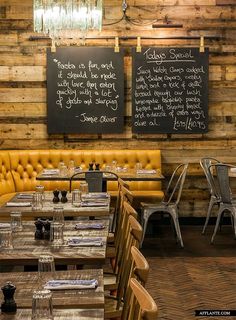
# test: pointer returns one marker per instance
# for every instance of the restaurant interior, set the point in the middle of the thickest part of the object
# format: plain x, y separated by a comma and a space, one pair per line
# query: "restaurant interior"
117, 159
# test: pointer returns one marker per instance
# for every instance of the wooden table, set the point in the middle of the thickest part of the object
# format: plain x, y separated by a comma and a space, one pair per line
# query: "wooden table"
48, 206
129, 175
62, 314
67, 304
26, 249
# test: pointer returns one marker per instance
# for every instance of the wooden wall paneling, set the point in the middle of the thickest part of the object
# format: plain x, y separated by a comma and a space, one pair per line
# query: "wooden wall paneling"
18, 109
23, 84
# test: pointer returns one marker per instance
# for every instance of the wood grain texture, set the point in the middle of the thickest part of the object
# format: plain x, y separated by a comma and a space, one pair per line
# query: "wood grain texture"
23, 83
59, 314
27, 282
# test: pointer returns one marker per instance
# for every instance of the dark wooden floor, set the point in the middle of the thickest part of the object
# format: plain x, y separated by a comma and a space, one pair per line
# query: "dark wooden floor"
201, 276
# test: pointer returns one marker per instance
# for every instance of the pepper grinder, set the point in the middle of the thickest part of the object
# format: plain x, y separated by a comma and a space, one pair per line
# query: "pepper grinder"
9, 304
39, 229
63, 196
97, 165
46, 233
91, 166
56, 196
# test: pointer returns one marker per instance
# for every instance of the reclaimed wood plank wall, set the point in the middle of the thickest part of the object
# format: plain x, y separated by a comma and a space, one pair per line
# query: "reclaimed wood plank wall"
23, 83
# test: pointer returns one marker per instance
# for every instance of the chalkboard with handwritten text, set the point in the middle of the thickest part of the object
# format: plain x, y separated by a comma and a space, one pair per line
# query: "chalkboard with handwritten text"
85, 90
170, 90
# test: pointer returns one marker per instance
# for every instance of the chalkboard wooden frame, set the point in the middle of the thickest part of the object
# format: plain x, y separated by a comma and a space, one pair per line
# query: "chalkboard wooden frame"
85, 90
170, 90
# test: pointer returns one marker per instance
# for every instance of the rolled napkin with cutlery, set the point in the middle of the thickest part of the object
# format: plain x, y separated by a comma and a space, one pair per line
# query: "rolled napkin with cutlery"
18, 204
94, 203
24, 196
71, 284
85, 242
50, 172
146, 171
85, 226
96, 195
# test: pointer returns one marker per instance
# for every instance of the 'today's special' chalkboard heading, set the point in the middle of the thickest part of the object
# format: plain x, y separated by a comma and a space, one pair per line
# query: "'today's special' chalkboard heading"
85, 90
170, 90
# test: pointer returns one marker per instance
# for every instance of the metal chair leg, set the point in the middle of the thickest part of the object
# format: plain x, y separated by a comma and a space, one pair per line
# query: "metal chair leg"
217, 225
211, 203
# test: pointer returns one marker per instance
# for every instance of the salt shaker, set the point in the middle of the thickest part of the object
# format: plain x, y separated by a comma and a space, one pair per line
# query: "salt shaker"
9, 304
39, 229
56, 196
63, 196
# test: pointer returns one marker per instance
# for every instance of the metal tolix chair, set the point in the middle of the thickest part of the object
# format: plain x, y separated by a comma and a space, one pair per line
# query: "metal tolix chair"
205, 163
227, 203
170, 202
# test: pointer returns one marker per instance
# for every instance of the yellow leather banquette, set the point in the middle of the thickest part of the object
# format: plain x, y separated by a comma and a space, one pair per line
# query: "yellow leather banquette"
19, 168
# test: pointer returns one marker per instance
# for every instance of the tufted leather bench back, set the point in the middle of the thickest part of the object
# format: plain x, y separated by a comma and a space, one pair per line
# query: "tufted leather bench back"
26, 164
7, 183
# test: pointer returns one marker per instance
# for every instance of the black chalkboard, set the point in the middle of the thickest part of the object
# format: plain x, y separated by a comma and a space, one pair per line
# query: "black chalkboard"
85, 90
170, 90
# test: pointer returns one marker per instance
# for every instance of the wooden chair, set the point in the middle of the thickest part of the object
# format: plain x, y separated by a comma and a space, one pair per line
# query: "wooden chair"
139, 305
133, 264
121, 240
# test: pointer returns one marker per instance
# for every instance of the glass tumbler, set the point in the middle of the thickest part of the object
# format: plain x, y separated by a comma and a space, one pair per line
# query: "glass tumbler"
76, 198
56, 233
6, 238
37, 201
58, 214
83, 187
16, 223
46, 264
40, 189
42, 307
138, 166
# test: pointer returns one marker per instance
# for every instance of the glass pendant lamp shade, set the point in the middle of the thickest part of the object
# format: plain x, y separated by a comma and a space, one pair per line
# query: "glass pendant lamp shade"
58, 17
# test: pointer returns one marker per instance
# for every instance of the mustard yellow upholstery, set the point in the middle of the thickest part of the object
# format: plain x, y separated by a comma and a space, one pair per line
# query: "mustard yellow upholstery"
6, 180
19, 168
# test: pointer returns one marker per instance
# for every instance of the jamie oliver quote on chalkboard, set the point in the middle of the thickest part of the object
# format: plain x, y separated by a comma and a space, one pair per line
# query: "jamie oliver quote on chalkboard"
170, 90
85, 90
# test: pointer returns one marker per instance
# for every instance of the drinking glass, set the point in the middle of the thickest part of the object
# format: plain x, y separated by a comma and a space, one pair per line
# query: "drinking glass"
40, 189
138, 166
56, 233
114, 165
58, 214
42, 308
71, 167
83, 187
6, 238
76, 198
46, 264
16, 224
37, 201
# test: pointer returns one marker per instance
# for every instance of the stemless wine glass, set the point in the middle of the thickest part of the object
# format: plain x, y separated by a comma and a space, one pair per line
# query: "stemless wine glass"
37, 201
40, 189
42, 307
16, 224
58, 214
46, 263
83, 187
6, 238
76, 198
56, 233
